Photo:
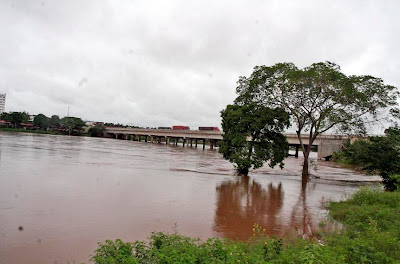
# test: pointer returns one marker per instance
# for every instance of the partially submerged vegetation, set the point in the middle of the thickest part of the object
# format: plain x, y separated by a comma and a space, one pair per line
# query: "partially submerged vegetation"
370, 234
264, 126
317, 98
378, 154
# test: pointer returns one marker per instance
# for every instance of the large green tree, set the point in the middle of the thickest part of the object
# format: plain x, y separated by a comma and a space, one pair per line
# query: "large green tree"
253, 135
72, 125
96, 131
319, 98
41, 121
54, 122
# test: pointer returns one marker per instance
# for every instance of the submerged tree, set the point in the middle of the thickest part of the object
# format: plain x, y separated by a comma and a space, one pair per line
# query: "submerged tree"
318, 98
253, 135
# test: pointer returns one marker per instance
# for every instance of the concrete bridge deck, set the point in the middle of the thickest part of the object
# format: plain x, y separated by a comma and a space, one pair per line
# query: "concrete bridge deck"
326, 144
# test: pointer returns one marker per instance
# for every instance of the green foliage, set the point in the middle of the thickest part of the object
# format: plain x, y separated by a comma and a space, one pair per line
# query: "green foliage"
371, 234
15, 118
6, 117
264, 128
72, 125
372, 227
312, 254
41, 121
319, 97
96, 131
376, 155
54, 122
114, 252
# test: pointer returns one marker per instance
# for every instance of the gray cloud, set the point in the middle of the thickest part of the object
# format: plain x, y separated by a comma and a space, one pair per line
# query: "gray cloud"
162, 63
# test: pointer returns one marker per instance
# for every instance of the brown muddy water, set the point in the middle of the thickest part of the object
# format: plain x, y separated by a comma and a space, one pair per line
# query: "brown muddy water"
61, 195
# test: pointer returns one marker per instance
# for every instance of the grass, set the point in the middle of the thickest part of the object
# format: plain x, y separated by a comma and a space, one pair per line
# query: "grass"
22, 130
5, 129
371, 234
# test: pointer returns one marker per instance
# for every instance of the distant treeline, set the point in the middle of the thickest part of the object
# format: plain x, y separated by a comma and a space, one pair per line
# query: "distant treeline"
22, 120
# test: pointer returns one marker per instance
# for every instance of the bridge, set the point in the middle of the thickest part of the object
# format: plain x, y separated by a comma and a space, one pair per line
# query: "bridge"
326, 144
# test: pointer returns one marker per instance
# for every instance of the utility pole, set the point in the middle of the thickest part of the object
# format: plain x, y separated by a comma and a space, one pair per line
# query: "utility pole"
68, 111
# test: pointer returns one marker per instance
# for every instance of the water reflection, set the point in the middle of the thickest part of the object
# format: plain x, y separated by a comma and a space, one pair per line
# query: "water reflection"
68, 193
244, 201
301, 221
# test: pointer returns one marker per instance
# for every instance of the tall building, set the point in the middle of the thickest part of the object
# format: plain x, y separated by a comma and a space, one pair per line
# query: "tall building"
2, 103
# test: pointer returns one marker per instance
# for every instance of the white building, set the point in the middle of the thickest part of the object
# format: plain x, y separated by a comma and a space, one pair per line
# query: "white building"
2, 103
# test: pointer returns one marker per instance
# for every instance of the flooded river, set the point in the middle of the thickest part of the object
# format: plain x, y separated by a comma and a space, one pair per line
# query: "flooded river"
61, 195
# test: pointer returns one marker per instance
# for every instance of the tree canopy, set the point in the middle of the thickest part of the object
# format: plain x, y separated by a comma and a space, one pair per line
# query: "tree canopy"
41, 121
318, 98
96, 131
54, 122
15, 118
253, 136
72, 124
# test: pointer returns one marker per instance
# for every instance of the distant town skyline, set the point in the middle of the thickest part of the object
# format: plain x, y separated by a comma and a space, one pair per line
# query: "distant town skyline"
177, 62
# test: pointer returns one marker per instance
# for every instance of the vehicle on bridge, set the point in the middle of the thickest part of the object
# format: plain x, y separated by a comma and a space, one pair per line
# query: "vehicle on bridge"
164, 127
180, 128
209, 129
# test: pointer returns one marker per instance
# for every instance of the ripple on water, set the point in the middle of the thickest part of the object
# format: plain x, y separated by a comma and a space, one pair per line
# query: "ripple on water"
73, 192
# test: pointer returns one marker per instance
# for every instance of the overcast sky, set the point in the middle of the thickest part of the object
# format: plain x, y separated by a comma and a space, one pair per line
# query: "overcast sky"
164, 63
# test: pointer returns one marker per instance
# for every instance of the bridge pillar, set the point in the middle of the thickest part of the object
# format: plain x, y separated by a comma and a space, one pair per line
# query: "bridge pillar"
138, 137
297, 151
196, 142
159, 140
211, 144
191, 142
184, 141
167, 140
145, 138
204, 143
176, 141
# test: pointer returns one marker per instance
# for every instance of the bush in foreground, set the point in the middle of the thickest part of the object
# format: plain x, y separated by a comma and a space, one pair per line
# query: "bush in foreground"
371, 234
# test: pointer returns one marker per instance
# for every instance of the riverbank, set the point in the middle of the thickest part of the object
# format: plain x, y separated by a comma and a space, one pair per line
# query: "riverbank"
22, 130
370, 234
31, 131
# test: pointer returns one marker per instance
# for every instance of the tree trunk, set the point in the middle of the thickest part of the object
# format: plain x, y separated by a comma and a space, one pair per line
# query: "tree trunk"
306, 152
243, 171
305, 173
